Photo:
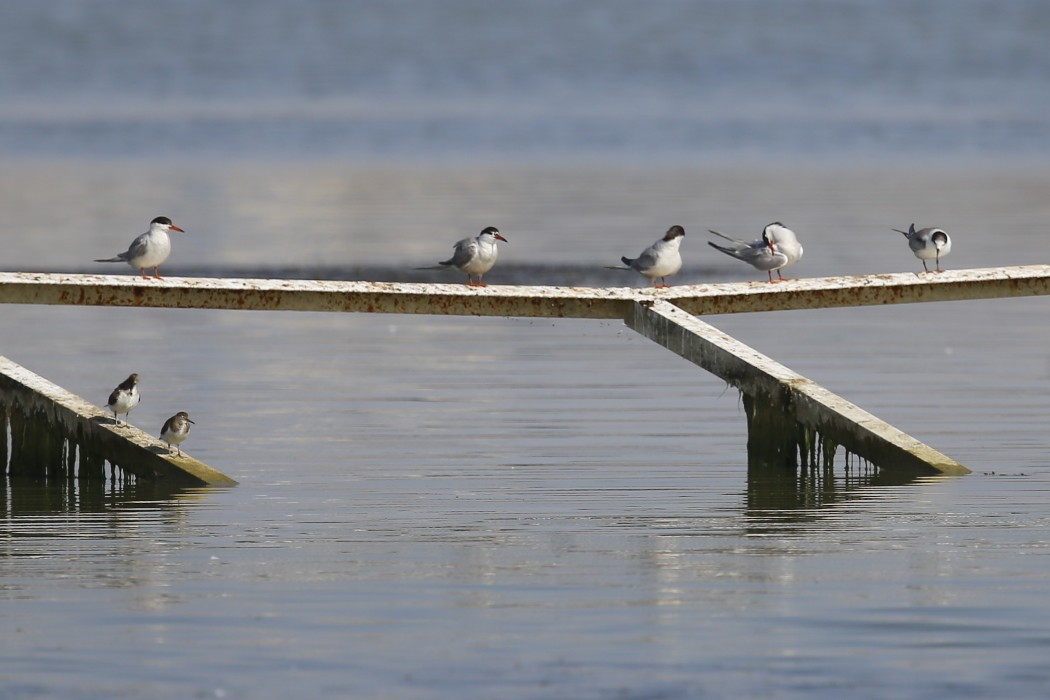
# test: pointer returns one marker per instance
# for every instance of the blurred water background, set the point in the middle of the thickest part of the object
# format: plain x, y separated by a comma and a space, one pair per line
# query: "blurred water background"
509, 508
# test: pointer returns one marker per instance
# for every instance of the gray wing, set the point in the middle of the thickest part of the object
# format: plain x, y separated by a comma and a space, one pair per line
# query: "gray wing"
735, 247
644, 261
137, 247
918, 240
756, 253
741, 250
463, 252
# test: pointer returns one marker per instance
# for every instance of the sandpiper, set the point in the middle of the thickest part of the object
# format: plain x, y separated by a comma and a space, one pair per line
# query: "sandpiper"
124, 398
175, 431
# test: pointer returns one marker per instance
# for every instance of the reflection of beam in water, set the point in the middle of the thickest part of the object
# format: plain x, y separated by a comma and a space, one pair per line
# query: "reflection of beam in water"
784, 501
793, 470
794, 474
32, 496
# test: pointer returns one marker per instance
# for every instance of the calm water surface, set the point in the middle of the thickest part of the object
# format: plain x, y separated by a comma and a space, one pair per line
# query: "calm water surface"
511, 508
436, 507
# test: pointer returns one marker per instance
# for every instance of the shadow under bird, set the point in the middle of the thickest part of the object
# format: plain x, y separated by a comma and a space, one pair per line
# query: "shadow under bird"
660, 260
150, 249
124, 398
475, 256
175, 430
776, 249
928, 244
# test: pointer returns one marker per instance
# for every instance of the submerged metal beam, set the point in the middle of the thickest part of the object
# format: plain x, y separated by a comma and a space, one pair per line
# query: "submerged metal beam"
552, 302
44, 414
767, 383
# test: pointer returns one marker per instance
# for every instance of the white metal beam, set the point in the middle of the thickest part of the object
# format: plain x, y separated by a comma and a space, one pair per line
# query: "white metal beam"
555, 302
776, 387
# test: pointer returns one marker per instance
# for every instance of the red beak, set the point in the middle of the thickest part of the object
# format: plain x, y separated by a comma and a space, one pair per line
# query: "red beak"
501, 238
173, 227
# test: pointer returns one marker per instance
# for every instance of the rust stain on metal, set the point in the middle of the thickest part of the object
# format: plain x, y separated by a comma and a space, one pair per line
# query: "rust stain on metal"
580, 302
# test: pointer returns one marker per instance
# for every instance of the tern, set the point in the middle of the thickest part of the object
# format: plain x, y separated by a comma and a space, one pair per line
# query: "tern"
660, 260
476, 256
150, 249
927, 244
124, 398
175, 431
776, 249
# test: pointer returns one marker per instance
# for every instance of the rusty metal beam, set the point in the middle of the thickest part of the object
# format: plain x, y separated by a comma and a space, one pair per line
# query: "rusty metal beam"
554, 302
39, 402
310, 295
771, 385
865, 290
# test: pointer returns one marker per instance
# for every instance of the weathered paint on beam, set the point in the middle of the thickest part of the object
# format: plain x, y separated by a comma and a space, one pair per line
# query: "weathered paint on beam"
810, 404
551, 302
310, 295
865, 290
93, 430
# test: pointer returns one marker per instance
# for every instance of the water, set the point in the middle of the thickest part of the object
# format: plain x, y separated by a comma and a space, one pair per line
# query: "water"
514, 508
467, 80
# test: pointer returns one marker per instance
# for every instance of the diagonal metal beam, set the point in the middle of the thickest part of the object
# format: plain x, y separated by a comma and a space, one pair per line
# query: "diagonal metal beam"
770, 383
42, 405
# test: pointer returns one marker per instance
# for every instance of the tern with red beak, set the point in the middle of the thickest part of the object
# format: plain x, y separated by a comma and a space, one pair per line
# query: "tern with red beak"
476, 256
150, 249
776, 249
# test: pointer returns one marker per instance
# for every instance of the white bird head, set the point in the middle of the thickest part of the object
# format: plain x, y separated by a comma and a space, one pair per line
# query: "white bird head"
493, 233
163, 223
775, 233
